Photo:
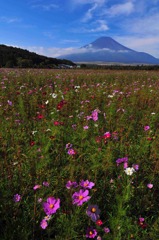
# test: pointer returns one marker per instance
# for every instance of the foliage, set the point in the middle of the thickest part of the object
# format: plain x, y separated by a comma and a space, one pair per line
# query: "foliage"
17, 57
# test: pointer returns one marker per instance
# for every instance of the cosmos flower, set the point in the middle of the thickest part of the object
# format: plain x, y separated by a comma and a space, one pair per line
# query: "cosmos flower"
46, 184
91, 232
150, 185
54, 95
146, 128
129, 171
9, 103
17, 198
43, 224
93, 212
94, 115
71, 184
121, 160
71, 151
86, 184
107, 135
85, 127
37, 186
135, 166
51, 205
99, 222
68, 145
141, 223
106, 230
80, 197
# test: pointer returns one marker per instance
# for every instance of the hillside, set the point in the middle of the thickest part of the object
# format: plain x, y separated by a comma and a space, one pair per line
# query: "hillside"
17, 57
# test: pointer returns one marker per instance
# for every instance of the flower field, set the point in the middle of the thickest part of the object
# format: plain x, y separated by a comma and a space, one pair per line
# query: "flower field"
79, 154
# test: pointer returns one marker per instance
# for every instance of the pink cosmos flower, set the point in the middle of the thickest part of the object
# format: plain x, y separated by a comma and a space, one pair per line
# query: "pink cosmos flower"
106, 230
141, 219
9, 103
95, 115
51, 205
68, 145
125, 165
80, 197
135, 166
146, 128
150, 185
85, 127
36, 187
46, 184
86, 184
43, 224
17, 198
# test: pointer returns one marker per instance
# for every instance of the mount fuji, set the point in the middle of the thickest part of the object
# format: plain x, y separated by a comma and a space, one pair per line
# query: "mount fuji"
107, 50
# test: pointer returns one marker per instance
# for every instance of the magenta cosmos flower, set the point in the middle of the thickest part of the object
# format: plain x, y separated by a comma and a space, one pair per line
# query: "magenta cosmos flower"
146, 128
71, 184
17, 198
86, 184
71, 151
80, 197
91, 232
51, 205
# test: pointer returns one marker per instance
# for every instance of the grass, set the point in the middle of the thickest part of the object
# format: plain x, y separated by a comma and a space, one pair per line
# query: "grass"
44, 113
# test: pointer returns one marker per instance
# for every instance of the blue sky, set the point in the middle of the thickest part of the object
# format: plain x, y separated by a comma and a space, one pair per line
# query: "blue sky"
55, 27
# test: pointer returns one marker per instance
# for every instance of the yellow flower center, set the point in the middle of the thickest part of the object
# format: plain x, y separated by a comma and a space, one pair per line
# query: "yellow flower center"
93, 209
85, 184
51, 206
80, 197
90, 233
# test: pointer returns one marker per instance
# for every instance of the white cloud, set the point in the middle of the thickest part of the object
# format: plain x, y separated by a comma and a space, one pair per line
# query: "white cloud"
52, 52
146, 25
69, 41
149, 44
9, 20
57, 52
94, 27
89, 13
118, 9
101, 26
99, 2
45, 7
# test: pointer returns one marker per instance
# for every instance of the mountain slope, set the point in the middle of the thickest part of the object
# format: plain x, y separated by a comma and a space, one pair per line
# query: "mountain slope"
17, 57
106, 50
106, 43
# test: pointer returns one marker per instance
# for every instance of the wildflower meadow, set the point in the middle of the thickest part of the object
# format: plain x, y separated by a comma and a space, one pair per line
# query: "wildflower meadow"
79, 154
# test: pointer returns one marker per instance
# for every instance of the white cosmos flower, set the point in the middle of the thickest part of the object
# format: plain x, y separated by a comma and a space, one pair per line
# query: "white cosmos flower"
33, 132
129, 171
54, 95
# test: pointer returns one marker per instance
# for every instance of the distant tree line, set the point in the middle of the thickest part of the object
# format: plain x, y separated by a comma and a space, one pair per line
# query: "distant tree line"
16, 57
120, 67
